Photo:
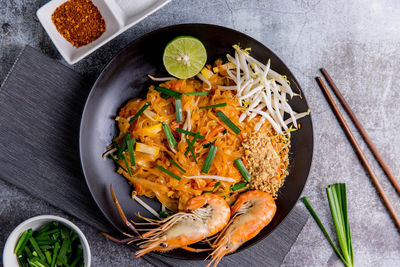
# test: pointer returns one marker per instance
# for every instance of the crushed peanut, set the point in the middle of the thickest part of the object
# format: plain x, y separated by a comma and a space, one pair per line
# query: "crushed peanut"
266, 154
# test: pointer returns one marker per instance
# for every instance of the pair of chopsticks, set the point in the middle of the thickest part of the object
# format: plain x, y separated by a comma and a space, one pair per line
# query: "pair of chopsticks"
355, 144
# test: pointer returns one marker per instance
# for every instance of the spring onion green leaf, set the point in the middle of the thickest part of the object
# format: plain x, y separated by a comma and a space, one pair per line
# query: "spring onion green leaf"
190, 148
122, 147
337, 199
189, 133
177, 165
62, 255
48, 256
55, 253
207, 145
22, 241
168, 92
243, 171
116, 162
44, 229
228, 122
197, 93
131, 143
36, 248
168, 172
209, 159
165, 96
166, 213
190, 144
78, 258
170, 138
215, 187
126, 164
141, 110
214, 106
178, 110
238, 186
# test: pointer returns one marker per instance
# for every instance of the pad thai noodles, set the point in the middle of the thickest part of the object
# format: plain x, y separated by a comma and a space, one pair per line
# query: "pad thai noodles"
221, 133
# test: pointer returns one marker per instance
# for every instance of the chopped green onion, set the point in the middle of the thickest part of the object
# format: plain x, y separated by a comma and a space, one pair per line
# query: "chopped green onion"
170, 138
43, 247
168, 92
209, 159
214, 106
338, 205
215, 187
197, 93
228, 122
189, 133
55, 253
22, 241
177, 165
190, 148
122, 147
165, 96
36, 248
27, 251
243, 171
238, 186
190, 144
48, 256
178, 109
116, 162
62, 256
131, 143
44, 229
207, 145
224, 131
141, 110
79, 257
168, 172
126, 164
166, 213
36, 262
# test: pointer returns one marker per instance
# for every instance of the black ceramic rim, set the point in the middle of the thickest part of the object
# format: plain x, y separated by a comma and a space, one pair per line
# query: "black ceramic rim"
286, 200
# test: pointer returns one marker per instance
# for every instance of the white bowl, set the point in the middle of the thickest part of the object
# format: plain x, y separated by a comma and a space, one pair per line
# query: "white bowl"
118, 16
10, 259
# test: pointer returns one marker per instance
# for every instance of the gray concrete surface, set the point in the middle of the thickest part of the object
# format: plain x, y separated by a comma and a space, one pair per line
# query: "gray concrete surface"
358, 42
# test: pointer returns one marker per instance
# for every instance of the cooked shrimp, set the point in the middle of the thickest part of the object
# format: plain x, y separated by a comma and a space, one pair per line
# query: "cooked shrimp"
251, 212
207, 214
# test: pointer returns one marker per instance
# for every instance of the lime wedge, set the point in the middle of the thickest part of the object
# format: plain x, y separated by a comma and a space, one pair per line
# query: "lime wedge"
184, 57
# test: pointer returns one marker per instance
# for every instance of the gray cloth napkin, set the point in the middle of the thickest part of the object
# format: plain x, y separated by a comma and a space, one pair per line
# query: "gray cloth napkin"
41, 102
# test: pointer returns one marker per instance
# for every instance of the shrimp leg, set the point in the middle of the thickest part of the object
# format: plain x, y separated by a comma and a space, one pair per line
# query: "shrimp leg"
197, 250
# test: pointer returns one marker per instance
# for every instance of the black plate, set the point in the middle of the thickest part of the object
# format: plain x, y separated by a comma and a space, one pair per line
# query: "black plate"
125, 77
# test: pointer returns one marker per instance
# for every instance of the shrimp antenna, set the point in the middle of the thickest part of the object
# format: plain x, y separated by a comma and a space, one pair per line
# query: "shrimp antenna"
121, 212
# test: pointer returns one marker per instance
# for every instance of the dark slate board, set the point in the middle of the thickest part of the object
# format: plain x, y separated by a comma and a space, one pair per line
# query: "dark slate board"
41, 103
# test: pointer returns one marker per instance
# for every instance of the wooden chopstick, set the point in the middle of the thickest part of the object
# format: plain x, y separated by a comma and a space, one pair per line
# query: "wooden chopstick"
357, 148
363, 133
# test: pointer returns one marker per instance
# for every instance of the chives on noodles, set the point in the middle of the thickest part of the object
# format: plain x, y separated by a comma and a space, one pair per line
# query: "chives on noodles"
145, 106
189, 133
168, 92
338, 205
177, 165
209, 159
197, 93
168, 172
214, 106
228, 122
178, 110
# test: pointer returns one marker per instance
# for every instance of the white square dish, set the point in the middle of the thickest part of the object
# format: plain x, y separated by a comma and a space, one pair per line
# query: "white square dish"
119, 15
